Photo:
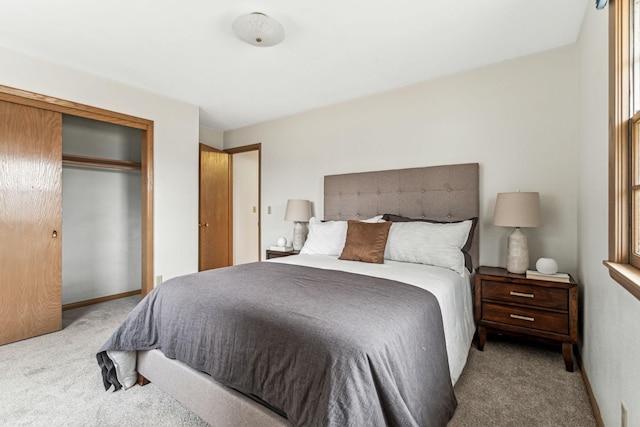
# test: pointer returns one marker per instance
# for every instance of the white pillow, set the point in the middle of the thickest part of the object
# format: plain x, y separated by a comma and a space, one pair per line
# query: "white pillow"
327, 238
377, 218
125, 363
429, 243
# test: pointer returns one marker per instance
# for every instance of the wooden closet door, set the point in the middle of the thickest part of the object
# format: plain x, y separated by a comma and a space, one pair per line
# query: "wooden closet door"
30, 222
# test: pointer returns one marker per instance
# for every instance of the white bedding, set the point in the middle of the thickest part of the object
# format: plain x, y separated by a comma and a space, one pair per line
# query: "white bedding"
452, 290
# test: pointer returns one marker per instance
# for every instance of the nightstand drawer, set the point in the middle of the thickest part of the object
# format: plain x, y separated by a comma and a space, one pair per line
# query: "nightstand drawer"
526, 318
526, 294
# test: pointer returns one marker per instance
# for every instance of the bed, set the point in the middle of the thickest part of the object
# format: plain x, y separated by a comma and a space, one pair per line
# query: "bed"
395, 381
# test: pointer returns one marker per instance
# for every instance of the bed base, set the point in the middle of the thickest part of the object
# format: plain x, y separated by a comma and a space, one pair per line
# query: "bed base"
213, 402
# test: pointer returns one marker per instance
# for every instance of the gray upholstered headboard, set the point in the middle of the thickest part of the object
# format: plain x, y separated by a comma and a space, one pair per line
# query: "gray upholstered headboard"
442, 193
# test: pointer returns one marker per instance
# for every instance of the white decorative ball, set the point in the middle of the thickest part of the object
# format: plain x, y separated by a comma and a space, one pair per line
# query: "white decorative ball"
547, 266
282, 241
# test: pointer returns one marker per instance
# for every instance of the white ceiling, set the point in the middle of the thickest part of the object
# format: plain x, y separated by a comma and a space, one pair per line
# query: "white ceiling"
333, 50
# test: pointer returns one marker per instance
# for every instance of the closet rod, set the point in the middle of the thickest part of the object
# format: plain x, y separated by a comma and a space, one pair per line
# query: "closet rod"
100, 163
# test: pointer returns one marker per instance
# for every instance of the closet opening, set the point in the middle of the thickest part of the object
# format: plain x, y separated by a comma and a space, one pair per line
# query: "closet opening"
101, 211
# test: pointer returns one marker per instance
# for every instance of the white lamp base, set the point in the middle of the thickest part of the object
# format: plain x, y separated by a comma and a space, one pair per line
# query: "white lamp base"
299, 235
517, 252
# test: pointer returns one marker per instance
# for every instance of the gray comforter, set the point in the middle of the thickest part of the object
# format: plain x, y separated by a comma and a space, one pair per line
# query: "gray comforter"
326, 347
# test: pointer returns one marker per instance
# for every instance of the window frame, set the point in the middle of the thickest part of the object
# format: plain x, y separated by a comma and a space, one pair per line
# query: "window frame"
623, 264
634, 190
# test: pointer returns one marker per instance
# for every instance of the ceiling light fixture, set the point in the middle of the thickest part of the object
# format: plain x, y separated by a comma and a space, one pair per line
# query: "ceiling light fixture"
258, 29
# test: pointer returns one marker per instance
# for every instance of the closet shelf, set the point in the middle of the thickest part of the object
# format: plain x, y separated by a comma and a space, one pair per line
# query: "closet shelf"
100, 163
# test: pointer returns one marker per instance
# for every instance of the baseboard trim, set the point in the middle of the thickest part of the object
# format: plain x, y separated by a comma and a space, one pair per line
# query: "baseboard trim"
587, 385
99, 300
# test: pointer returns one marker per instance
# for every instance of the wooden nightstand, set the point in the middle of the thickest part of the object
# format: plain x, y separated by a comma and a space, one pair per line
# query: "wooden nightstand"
511, 303
278, 254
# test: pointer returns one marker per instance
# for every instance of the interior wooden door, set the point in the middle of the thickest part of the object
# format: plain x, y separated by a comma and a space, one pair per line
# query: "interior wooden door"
30, 221
214, 237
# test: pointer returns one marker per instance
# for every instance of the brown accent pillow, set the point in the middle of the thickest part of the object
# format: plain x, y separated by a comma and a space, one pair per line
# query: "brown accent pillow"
466, 250
365, 241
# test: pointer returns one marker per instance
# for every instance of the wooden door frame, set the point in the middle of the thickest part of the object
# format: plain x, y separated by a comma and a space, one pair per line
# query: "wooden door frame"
246, 148
44, 102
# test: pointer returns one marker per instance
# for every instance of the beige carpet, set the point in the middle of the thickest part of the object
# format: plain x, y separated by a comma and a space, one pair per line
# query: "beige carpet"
514, 383
54, 380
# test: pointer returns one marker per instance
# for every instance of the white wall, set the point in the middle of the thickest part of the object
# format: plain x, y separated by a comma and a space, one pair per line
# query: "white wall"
175, 147
211, 137
610, 315
516, 118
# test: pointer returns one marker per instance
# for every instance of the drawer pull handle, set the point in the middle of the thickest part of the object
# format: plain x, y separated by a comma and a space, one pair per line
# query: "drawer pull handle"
516, 316
520, 294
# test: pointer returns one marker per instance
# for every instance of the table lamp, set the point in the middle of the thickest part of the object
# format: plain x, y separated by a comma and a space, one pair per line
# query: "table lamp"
520, 209
298, 211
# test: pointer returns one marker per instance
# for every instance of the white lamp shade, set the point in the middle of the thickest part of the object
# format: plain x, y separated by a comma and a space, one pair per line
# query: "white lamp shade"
258, 29
519, 209
298, 210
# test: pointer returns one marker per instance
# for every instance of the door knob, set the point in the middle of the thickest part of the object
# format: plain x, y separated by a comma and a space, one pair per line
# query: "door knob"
54, 234
206, 224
